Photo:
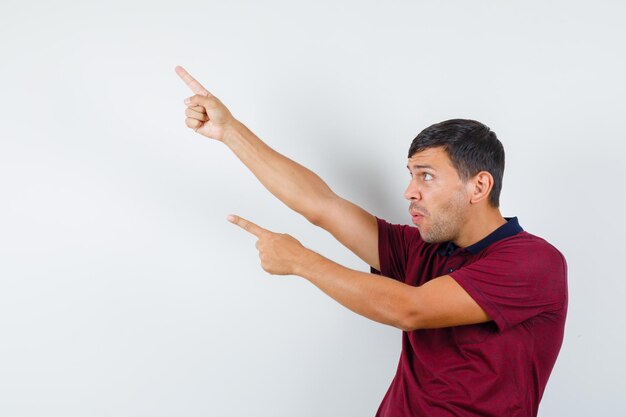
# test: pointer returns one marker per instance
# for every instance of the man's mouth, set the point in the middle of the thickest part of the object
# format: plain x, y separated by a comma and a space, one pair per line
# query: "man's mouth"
416, 214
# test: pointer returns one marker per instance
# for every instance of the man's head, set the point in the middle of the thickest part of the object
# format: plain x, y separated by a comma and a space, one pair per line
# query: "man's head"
456, 166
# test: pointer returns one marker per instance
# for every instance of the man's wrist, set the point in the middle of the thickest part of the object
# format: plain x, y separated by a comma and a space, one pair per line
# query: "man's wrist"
309, 263
233, 132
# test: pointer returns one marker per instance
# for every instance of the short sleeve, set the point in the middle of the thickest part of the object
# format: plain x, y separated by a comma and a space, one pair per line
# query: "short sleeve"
393, 248
516, 280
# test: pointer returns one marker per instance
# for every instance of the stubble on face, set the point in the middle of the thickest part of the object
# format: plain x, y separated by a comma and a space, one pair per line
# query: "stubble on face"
444, 203
443, 224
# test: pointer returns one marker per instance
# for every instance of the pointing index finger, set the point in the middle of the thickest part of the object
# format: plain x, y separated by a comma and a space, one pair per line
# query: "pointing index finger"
247, 225
191, 82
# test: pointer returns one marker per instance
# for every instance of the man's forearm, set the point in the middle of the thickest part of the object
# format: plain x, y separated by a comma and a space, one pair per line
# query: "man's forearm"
378, 298
298, 187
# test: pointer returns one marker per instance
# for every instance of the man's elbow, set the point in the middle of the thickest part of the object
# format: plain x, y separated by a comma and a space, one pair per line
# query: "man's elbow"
409, 321
410, 316
315, 219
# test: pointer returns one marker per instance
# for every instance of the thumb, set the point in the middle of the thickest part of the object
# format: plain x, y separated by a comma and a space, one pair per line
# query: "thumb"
217, 112
200, 100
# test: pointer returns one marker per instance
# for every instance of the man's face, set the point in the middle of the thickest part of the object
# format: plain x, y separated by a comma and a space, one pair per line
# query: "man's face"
439, 199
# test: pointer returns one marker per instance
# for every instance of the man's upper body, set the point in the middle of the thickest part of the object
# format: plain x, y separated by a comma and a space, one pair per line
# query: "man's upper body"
481, 303
496, 368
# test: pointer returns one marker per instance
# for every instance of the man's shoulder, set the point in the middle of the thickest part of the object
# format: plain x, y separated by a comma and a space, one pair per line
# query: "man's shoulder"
527, 248
524, 240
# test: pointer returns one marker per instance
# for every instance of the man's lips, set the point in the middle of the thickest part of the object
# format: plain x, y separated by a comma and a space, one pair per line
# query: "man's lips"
416, 215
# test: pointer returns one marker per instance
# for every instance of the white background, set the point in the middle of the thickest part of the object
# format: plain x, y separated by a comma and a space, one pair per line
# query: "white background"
125, 292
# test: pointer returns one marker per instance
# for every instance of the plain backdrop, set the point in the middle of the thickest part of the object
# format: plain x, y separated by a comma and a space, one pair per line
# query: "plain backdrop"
125, 292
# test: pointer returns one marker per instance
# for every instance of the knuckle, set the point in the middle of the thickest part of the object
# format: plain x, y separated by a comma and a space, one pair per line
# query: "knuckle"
211, 102
193, 123
196, 115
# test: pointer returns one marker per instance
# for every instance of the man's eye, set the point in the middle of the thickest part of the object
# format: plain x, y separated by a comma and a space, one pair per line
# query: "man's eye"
427, 176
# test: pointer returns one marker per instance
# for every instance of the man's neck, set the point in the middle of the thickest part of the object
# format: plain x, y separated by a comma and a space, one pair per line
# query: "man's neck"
480, 224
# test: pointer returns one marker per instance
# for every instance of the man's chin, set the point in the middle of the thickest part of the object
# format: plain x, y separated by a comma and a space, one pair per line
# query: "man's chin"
424, 234
429, 238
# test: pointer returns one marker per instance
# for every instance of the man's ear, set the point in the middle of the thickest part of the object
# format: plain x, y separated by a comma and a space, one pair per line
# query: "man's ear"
481, 185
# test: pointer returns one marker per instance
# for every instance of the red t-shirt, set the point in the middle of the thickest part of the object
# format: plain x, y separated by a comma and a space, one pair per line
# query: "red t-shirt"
499, 368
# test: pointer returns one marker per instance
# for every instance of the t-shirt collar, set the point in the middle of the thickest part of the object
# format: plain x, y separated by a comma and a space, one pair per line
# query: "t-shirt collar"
510, 228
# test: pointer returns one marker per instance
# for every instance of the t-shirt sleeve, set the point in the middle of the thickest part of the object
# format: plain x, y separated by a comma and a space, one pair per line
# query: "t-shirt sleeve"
516, 281
393, 243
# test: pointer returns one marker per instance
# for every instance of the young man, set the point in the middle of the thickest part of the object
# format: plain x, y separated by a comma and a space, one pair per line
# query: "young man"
481, 303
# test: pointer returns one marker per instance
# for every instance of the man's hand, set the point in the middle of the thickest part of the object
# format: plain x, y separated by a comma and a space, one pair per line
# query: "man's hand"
205, 113
280, 253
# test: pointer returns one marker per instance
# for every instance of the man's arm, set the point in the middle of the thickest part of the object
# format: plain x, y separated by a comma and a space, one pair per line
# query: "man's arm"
306, 193
296, 186
441, 302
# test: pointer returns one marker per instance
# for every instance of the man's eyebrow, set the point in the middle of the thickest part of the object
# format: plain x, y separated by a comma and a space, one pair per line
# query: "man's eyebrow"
417, 166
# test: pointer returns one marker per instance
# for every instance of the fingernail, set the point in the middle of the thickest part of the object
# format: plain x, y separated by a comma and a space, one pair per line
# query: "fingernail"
187, 100
230, 218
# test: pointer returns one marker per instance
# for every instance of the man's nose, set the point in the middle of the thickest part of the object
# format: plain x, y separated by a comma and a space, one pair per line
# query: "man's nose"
412, 192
